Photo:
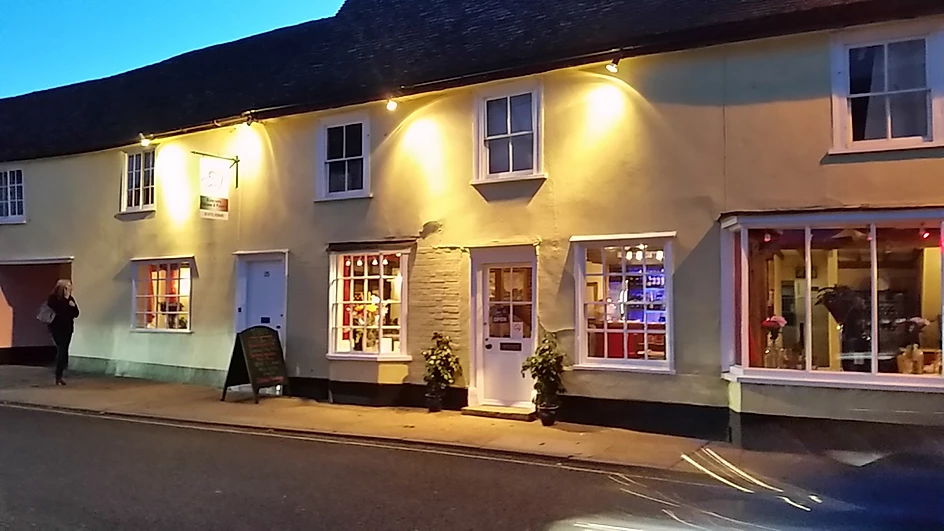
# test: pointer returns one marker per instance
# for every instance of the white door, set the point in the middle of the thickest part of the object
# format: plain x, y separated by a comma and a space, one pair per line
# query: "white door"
507, 321
265, 295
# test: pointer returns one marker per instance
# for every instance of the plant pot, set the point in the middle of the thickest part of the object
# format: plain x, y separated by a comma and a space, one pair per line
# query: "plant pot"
548, 414
434, 402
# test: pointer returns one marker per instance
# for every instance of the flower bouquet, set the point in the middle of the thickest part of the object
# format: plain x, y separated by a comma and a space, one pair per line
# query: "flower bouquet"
773, 355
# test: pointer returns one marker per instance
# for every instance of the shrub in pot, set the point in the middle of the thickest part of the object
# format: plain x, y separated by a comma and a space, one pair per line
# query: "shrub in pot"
442, 368
546, 366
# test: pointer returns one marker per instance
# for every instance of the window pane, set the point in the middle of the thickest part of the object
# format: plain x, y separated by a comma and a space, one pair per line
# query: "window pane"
391, 315
337, 177
355, 174
354, 140
595, 344
373, 265
842, 335
521, 113
335, 147
522, 149
496, 117
391, 265
498, 155
776, 298
909, 300
521, 284
869, 118
3, 178
867, 69
4, 212
907, 67
594, 315
910, 112
521, 314
359, 268
498, 320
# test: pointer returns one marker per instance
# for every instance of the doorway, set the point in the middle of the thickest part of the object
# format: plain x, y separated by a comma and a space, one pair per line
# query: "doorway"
261, 291
505, 322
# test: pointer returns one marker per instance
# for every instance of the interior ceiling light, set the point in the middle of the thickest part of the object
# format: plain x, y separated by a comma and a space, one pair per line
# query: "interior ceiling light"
613, 67
392, 105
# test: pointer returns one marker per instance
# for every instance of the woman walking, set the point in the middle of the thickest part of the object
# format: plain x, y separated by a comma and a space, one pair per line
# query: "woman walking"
63, 305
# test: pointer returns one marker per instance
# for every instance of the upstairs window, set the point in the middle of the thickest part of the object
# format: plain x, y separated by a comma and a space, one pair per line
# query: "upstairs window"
509, 136
888, 92
12, 204
138, 181
343, 158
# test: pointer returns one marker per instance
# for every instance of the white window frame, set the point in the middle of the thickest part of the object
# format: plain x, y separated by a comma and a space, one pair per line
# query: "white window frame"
125, 182
933, 33
18, 218
334, 312
733, 369
321, 171
664, 240
172, 260
535, 88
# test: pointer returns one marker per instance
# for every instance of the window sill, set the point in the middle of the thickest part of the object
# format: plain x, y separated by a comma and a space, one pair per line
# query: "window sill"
136, 212
485, 181
376, 358
660, 368
885, 148
12, 221
160, 331
344, 197
838, 380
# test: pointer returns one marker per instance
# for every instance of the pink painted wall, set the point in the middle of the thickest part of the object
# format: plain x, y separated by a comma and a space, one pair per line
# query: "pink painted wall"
23, 288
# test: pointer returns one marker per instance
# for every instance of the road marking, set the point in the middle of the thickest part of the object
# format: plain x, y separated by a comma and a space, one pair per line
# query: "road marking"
692, 462
740, 472
344, 440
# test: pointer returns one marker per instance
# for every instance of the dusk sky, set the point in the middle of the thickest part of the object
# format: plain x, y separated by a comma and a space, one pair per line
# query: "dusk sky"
49, 43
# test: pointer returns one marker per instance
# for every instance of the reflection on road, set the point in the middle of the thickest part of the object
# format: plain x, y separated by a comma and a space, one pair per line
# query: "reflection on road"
718, 494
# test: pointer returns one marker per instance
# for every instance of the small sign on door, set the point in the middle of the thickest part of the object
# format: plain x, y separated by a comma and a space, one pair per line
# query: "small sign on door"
517, 330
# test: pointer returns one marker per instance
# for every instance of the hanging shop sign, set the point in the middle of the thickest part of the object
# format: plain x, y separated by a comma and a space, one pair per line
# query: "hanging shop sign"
214, 187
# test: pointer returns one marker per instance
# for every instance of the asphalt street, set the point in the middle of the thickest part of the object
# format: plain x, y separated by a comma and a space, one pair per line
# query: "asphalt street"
71, 472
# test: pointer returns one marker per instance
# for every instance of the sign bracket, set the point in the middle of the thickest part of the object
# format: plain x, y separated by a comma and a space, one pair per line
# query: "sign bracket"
233, 160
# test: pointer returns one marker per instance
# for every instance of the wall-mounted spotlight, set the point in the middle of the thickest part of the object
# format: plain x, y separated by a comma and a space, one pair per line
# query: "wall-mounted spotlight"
613, 67
249, 120
145, 141
392, 105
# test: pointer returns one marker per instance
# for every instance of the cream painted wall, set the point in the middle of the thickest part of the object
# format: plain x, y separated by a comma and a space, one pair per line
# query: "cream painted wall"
668, 145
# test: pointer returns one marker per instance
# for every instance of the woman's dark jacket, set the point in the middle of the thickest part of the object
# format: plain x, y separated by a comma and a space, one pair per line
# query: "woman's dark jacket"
65, 314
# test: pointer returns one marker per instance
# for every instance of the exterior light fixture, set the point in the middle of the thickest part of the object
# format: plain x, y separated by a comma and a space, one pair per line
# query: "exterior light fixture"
613, 67
392, 105
924, 234
249, 120
145, 141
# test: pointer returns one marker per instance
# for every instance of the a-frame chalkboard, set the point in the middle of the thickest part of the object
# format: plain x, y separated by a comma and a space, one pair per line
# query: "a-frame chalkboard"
258, 360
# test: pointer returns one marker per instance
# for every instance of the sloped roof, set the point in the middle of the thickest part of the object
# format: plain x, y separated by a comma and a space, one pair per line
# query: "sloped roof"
374, 48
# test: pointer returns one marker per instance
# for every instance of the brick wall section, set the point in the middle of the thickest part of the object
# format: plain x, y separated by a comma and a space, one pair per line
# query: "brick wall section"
439, 294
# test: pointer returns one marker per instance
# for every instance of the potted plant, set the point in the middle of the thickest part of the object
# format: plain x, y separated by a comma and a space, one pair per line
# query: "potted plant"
442, 368
546, 366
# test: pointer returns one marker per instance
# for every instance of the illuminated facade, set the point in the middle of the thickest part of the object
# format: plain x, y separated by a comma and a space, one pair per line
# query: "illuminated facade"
653, 218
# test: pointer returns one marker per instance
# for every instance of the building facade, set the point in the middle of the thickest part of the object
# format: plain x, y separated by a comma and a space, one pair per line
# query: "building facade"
654, 218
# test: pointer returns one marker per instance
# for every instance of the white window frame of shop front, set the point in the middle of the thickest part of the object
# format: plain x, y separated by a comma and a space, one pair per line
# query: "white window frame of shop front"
508, 91
738, 339
166, 261
127, 183
584, 361
932, 32
9, 187
335, 303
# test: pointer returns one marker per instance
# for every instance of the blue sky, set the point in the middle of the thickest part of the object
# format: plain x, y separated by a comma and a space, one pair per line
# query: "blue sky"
49, 43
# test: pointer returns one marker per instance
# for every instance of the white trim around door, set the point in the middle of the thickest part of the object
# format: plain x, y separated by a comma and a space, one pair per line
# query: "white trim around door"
497, 383
241, 315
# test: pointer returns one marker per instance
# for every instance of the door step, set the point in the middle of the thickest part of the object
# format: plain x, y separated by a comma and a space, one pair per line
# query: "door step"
500, 412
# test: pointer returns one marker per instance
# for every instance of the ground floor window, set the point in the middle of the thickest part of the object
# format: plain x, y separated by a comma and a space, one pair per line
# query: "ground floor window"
624, 294
368, 303
855, 296
162, 295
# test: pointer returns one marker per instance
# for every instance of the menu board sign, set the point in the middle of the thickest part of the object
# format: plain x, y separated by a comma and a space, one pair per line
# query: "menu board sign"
257, 360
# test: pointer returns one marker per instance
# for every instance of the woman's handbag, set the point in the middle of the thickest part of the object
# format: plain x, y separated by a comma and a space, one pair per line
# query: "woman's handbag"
46, 314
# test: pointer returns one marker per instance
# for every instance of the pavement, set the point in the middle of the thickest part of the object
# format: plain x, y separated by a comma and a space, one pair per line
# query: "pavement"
156, 401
